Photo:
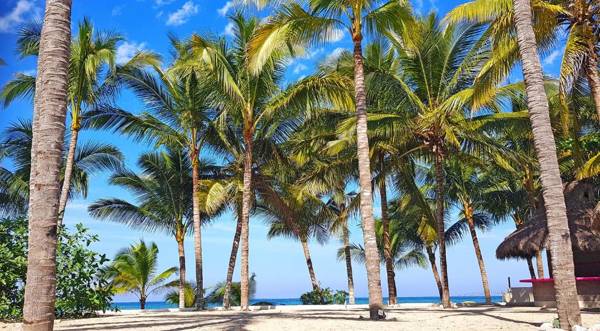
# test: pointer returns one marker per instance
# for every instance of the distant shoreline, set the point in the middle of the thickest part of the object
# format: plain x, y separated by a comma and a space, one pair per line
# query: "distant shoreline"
152, 305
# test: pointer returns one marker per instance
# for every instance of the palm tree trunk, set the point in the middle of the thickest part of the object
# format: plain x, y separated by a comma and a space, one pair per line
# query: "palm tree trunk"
366, 196
530, 267
232, 258
181, 252
246, 205
549, 258
593, 76
309, 264
197, 226
142, 303
439, 188
484, 277
559, 239
348, 257
387, 248
46, 155
64, 194
434, 270
540, 264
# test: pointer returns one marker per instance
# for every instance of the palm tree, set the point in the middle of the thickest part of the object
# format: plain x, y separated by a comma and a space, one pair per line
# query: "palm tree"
559, 239
89, 159
178, 112
466, 191
251, 98
90, 52
580, 28
447, 115
294, 214
343, 205
413, 214
172, 297
46, 156
217, 294
296, 25
135, 271
164, 200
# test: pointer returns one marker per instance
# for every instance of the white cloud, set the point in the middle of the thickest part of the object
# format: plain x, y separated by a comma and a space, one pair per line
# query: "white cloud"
127, 50
162, 2
335, 54
336, 35
312, 53
24, 10
183, 14
549, 60
418, 6
223, 10
229, 29
299, 68
117, 10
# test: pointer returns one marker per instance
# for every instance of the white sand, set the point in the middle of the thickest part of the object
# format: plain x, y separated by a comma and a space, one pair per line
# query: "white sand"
321, 318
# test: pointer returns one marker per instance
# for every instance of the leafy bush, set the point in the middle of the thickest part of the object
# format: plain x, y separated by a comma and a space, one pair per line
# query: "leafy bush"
83, 279
83, 284
218, 292
13, 267
323, 296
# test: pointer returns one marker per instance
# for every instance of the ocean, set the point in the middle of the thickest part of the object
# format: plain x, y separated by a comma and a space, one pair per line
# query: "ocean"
292, 302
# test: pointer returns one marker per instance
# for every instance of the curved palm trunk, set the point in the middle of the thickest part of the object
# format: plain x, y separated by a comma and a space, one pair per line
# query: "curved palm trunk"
366, 196
439, 215
181, 253
434, 270
64, 194
309, 264
593, 76
50, 106
348, 257
530, 267
540, 264
246, 205
232, 258
197, 227
480, 262
559, 238
387, 248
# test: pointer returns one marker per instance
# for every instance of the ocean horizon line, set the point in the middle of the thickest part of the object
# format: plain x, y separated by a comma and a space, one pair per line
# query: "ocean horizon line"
129, 305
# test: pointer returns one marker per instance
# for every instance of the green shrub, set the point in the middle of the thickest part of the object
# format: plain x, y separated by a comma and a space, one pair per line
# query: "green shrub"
323, 296
83, 284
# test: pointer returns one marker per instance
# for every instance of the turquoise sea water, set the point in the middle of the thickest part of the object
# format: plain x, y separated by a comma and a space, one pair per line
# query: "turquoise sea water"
291, 302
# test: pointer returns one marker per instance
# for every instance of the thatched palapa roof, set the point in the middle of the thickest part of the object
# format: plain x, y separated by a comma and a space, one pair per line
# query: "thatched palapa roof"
583, 212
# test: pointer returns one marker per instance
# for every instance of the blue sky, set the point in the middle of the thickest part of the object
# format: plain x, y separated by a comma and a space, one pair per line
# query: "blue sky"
278, 263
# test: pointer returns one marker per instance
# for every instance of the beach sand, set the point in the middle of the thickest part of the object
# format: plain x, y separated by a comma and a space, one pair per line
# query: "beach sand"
321, 318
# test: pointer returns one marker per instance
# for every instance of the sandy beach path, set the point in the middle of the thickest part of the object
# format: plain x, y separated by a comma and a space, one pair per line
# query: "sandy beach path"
405, 317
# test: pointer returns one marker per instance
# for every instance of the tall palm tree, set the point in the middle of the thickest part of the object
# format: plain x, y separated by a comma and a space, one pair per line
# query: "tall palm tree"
414, 216
559, 239
91, 51
296, 25
343, 206
575, 16
89, 159
164, 200
177, 112
251, 98
447, 114
294, 214
46, 155
134, 270
466, 191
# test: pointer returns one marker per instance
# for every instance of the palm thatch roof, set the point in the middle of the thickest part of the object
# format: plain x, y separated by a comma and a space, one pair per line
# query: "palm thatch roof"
583, 212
